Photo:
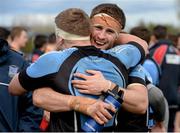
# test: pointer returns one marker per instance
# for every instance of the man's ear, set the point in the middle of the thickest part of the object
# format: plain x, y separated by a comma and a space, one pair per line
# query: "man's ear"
60, 40
59, 43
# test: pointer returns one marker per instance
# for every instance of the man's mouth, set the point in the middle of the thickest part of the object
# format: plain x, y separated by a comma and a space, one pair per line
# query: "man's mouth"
100, 43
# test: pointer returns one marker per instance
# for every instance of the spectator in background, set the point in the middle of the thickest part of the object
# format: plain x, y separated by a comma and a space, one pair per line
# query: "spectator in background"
19, 38
17, 113
170, 69
5, 34
157, 100
177, 117
51, 45
174, 39
178, 42
141, 32
40, 43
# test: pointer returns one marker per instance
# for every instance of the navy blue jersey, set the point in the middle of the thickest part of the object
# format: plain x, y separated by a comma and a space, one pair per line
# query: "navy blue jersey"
170, 71
56, 70
17, 113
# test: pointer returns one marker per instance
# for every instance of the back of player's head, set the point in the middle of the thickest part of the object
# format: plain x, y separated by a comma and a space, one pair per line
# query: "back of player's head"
73, 24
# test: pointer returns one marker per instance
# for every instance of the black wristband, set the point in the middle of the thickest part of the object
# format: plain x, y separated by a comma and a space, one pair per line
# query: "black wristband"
118, 94
121, 95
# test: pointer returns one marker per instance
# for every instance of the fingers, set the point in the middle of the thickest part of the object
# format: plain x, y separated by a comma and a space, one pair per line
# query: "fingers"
93, 72
110, 107
102, 117
84, 91
100, 111
106, 114
80, 75
80, 82
103, 113
98, 120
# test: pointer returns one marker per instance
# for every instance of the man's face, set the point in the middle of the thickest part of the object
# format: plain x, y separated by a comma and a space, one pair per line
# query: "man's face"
104, 32
22, 39
103, 37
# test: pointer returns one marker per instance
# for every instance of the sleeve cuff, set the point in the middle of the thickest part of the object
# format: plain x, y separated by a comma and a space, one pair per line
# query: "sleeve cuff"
136, 80
142, 51
23, 79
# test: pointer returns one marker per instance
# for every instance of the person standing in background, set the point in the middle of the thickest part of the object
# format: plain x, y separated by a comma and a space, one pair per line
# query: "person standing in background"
19, 38
17, 113
40, 42
51, 45
170, 69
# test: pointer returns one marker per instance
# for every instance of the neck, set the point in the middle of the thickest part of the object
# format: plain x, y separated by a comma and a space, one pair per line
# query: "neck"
14, 46
69, 44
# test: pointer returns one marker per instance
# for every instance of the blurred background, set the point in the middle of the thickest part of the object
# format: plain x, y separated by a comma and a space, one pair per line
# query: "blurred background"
38, 15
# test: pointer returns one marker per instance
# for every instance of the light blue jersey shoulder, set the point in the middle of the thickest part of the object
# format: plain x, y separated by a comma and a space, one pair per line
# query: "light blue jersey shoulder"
48, 63
153, 70
140, 72
128, 54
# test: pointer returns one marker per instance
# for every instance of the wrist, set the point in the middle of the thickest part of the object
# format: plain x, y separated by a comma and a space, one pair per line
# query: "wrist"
109, 86
73, 103
77, 103
119, 92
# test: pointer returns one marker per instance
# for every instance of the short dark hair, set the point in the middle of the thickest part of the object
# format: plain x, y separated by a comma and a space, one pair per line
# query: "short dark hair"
40, 40
16, 31
141, 32
112, 10
178, 34
173, 38
160, 32
52, 38
4, 33
74, 21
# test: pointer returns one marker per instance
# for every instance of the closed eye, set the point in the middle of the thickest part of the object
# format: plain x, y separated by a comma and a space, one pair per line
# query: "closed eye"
110, 31
98, 27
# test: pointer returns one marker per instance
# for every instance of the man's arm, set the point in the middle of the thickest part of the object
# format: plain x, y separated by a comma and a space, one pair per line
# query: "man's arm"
36, 75
52, 101
135, 96
177, 122
55, 102
125, 38
15, 87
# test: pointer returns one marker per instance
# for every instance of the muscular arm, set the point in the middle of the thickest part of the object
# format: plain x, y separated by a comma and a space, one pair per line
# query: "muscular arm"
136, 98
15, 87
177, 122
49, 100
52, 101
125, 38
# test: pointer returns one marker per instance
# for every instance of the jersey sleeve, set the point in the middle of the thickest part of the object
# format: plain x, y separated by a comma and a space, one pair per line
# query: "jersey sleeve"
130, 54
153, 69
40, 73
137, 75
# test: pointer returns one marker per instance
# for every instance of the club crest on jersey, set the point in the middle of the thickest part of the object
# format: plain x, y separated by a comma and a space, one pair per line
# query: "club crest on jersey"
13, 69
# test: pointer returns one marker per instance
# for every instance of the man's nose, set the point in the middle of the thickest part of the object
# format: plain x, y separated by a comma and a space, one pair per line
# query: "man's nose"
102, 35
